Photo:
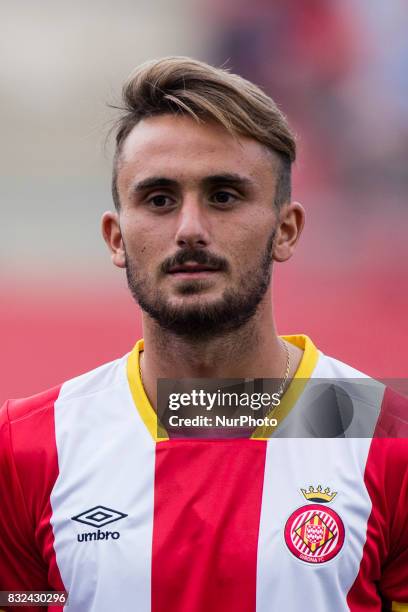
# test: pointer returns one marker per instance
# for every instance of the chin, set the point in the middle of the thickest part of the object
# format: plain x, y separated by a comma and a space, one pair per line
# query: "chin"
193, 288
193, 301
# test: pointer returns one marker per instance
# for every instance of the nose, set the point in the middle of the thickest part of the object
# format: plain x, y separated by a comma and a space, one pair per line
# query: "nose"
192, 228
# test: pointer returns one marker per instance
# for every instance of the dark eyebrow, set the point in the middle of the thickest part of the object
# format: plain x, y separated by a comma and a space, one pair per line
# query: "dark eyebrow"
152, 182
233, 180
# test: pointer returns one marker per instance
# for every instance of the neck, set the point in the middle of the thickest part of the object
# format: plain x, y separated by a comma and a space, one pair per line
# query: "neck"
252, 351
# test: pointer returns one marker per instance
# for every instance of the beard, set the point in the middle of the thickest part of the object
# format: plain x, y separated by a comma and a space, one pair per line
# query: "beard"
201, 321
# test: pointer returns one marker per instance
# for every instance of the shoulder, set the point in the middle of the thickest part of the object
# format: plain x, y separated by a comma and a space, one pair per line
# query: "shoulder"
97, 380
27, 424
393, 418
377, 406
29, 454
331, 367
16, 409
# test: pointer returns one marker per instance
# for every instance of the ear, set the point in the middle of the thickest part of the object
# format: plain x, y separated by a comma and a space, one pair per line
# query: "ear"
291, 220
113, 237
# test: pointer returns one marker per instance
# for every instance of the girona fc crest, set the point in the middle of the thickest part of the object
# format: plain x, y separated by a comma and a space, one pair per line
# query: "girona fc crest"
314, 533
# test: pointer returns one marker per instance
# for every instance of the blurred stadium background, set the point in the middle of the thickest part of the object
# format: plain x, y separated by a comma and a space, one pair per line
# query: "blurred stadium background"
338, 68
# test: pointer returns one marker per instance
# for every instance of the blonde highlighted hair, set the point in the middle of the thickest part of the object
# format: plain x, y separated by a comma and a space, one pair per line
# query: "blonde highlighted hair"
190, 87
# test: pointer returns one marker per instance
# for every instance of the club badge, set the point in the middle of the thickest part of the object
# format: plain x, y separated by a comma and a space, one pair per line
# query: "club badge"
314, 533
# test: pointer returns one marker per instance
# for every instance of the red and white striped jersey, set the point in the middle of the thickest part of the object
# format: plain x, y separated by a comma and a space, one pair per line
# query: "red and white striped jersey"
91, 502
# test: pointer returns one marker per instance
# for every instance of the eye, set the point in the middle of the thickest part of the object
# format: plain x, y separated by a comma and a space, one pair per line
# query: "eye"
223, 197
160, 201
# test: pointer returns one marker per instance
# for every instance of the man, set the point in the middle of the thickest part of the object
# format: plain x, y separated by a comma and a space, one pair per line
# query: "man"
98, 499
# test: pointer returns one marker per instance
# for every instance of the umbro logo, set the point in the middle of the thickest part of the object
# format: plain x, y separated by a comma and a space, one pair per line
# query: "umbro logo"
98, 517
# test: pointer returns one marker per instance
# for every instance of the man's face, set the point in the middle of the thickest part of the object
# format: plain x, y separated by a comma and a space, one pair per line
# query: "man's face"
197, 223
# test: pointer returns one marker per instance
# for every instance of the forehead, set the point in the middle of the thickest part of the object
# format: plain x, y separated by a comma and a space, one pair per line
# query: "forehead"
180, 148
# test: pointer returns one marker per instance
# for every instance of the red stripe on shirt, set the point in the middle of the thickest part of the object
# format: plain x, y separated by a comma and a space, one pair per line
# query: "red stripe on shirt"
383, 573
208, 496
393, 418
33, 462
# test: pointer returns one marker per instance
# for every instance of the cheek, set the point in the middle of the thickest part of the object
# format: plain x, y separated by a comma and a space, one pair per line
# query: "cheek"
143, 251
248, 241
145, 246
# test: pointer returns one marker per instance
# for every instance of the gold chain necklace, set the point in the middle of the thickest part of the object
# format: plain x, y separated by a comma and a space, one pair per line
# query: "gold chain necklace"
140, 367
283, 381
286, 375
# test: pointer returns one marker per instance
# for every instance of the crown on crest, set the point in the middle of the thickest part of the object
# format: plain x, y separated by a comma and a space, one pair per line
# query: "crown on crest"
318, 495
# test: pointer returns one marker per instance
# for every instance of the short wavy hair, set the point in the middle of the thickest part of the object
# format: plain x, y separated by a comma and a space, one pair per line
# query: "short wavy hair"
182, 85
